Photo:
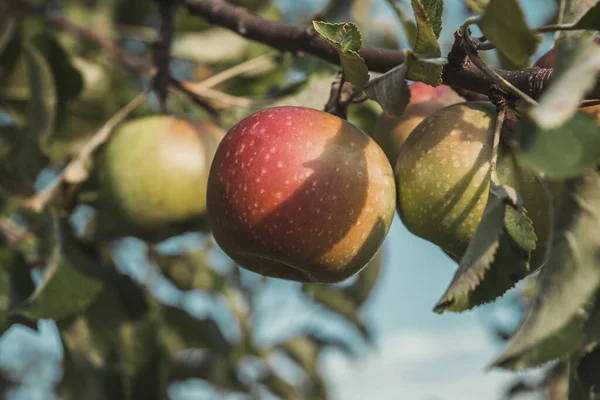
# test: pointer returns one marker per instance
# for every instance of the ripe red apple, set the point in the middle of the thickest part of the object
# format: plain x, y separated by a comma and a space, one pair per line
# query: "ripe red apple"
152, 176
300, 194
443, 178
391, 131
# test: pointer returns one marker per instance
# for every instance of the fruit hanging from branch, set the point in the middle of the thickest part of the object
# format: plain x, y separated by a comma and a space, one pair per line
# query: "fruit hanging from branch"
443, 178
300, 194
152, 176
391, 131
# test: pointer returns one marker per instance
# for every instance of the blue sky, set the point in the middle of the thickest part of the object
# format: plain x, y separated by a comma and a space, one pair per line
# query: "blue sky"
419, 355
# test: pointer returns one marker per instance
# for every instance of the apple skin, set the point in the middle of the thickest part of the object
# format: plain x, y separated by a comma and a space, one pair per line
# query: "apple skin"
152, 176
443, 177
299, 194
391, 131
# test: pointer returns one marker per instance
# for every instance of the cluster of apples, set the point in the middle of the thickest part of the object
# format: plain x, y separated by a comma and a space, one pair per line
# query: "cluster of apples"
300, 194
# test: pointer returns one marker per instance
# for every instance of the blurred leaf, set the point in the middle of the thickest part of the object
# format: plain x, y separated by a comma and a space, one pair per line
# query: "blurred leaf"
367, 278
477, 6
304, 352
575, 70
69, 81
192, 332
340, 303
144, 376
503, 24
390, 90
567, 284
10, 47
219, 45
584, 382
281, 388
410, 29
496, 258
590, 20
5, 288
191, 271
347, 40
133, 12
41, 110
66, 289
561, 152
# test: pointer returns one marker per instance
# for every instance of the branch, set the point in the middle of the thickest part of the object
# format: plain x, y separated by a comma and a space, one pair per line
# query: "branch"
162, 51
298, 39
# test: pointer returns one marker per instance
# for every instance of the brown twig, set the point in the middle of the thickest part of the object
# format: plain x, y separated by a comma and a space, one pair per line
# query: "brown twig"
299, 39
162, 51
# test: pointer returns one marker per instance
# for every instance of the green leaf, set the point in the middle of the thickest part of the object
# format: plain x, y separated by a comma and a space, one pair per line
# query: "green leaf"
191, 271
503, 23
568, 283
575, 70
477, 6
41, 113
304, 352
367, 278
496, 258
410, 29
66, 289
347, 40
192, 332
583, 374
560, 152
10, 47
425, 64
340, 303
390, 90
428, 14
426, 70
68, 78
590, 21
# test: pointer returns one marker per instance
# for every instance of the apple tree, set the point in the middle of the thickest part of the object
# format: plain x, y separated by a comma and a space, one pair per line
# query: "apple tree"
281, 146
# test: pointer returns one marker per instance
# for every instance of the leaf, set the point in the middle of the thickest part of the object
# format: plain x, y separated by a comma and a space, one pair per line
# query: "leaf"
10, 47
41, 110
340, 303
367, 278
503, 23
191, 271
590, 21
477, 6
347, 40
219, 45
568, 283
68, 78
426, 70
66, 289
428, 14
561, 152
577, 62
410, 29
584, 374
390, 90
304, 352
496, 258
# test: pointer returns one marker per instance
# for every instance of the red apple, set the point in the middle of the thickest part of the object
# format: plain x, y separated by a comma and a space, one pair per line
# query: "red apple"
300, 194
391, 131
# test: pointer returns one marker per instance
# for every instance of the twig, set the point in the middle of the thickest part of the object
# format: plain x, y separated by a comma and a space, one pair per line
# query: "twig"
237, 70
79, 167
219, 100
162, 51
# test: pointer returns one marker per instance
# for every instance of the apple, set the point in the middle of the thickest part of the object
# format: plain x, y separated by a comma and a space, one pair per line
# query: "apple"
152, 176
443, 178
391, 131
300, 194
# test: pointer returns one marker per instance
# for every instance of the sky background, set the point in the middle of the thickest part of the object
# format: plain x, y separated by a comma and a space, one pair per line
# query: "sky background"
419, 355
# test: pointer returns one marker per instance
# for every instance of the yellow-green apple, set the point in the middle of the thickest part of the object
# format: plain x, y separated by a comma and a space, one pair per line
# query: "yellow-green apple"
443, 178
300, 194
152, 176
391, 131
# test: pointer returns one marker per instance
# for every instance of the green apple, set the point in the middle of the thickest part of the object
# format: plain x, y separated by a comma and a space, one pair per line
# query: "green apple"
391, 131
152, 176
443, 178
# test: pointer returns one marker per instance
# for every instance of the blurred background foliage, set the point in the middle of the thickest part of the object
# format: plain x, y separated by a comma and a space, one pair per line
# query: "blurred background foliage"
135, 320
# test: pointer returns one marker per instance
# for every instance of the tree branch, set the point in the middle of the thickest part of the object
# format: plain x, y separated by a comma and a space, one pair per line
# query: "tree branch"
297, 39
